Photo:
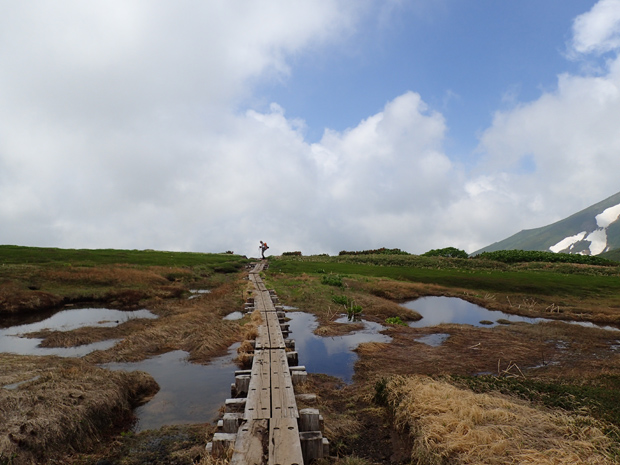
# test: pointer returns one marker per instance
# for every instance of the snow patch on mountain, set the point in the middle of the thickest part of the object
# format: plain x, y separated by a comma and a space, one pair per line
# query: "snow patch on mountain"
596, 238
608, 216
568, 242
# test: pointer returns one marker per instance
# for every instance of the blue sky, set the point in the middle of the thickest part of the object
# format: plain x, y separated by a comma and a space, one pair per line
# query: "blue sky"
316, 125
466, 59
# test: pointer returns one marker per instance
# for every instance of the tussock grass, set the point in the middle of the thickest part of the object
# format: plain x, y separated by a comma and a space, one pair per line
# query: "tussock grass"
71, 406
451, 425
195, 326
104, 276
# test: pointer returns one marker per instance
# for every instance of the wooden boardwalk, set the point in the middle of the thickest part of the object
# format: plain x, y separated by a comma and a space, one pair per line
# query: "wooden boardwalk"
262, 422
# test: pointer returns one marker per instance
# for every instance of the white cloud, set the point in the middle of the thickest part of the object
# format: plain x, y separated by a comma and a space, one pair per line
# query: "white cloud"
119, 128
117, 121
598, 30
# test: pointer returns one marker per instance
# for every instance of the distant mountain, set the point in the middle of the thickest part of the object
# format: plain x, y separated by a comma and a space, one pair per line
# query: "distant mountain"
593, 231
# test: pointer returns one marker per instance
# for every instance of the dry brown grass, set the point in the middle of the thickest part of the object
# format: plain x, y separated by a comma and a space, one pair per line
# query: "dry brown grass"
72, 405
451, 425
14, 299
117, 275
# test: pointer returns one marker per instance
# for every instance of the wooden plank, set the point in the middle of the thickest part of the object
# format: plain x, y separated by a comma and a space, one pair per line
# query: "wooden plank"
262, 340
250, 447
258, 404
276, 340
284, 444
283, 403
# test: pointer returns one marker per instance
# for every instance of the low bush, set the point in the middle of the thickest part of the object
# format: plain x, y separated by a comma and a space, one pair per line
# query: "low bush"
450, 252
332, 280
523, 256
381, 251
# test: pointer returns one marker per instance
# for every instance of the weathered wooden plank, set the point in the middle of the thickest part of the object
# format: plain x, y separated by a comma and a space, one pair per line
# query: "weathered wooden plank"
258, 404
283, 403
276, 340
270, 418
284, 444
262, 340
250, 447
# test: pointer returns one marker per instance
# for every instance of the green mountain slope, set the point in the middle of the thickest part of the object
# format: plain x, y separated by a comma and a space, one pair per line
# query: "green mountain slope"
579, 233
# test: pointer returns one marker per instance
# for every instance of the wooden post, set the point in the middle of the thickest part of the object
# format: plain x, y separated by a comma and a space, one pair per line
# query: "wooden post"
234, 405
292, 358
242, 382
299, 377
311, 445
309, 420
231, 422
221, 443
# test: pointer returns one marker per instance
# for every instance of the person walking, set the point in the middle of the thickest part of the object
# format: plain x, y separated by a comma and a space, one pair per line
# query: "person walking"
263, 246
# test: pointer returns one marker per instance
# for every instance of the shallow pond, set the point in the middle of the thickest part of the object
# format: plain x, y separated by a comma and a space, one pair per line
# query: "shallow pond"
66, 320
189, 393
436, 310
330, 355
234, 316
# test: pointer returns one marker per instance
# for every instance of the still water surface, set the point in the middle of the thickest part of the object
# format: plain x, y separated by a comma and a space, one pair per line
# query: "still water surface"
66, 320
192, 393
189, 393
330, 355
436, 310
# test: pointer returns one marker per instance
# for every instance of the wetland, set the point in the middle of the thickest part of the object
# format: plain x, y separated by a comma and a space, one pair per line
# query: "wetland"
151, 390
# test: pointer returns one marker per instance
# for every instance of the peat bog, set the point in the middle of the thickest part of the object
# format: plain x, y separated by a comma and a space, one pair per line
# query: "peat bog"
372, 359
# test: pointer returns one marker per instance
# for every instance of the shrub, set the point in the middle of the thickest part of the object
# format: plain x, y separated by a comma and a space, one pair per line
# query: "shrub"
450, 252
289, 254
341, 300
395, 320
332, 280
522, 256
381, 251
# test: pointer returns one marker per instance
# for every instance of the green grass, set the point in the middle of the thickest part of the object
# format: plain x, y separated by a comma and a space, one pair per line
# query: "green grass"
478, 275
13, 255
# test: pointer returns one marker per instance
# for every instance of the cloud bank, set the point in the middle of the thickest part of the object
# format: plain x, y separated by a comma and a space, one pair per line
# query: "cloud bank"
122, 124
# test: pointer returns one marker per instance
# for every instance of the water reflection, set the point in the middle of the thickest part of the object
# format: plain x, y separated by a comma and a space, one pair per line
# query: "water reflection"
330, 355
198, 292
233, 316
189, 393
436, 310
66, 320
433, 340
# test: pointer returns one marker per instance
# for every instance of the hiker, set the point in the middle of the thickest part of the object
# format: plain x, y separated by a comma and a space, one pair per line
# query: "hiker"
263, 246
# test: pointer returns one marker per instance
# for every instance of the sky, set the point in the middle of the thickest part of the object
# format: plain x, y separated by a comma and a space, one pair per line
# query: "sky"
314, 125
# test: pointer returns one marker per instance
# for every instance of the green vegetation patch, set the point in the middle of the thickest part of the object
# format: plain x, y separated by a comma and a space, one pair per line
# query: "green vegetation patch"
451, 252
479, 275
521, 256
14, 255
381, 251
